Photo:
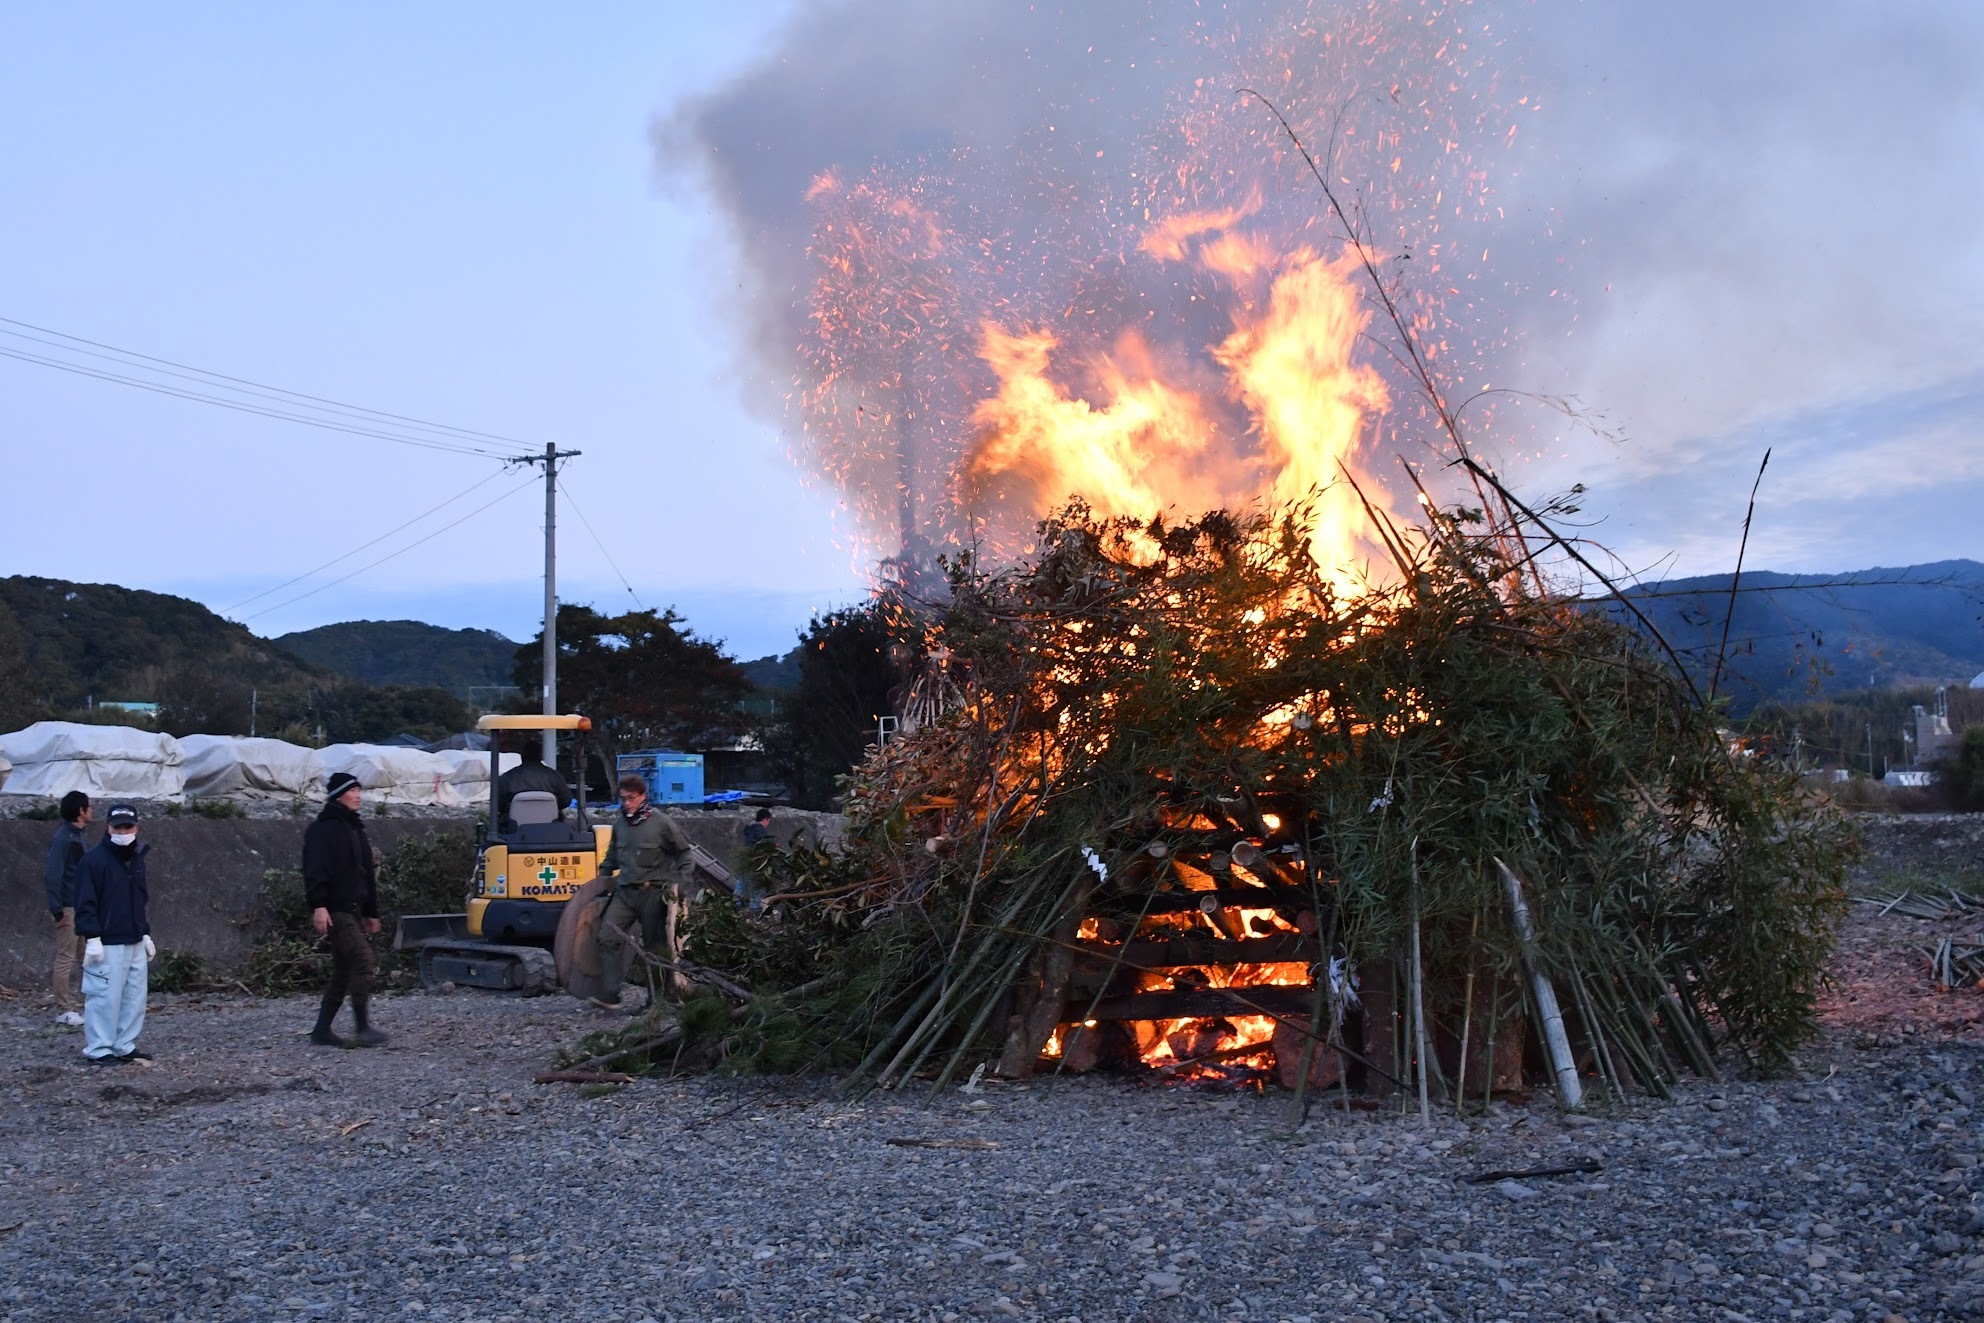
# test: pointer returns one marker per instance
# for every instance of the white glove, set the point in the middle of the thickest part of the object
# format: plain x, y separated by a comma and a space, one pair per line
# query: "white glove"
151, 952
93, 952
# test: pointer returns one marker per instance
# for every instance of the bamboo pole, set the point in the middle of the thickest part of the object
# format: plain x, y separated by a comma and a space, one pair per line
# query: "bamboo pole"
1608, 1069
1323, 999
1418, 994
1570, 1092
1467, 1016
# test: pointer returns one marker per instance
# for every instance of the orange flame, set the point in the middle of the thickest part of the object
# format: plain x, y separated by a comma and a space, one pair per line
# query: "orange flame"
1142, 443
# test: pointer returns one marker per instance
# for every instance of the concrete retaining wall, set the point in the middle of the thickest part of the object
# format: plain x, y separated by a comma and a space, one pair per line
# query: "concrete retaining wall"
206, 876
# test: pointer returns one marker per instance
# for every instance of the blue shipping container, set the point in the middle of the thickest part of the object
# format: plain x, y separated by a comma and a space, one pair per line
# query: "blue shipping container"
673, 778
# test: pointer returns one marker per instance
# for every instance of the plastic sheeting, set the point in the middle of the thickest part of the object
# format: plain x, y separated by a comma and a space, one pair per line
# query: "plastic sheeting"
467, 776
232, 765
453, 778
51, 758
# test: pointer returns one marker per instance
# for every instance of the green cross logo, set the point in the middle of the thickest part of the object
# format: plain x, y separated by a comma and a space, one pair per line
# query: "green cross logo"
548, 876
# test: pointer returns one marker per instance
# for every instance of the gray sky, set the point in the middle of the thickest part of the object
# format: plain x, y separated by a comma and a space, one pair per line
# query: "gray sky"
1761, 221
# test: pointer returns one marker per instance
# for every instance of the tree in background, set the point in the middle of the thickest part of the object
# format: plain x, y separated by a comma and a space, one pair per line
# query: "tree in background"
353, 712
826, 721
1835, 731
645, 681
1963, 771
21, 702
193, 701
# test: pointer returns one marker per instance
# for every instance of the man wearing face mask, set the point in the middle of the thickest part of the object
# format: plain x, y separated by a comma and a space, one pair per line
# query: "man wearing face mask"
117, 941
343, 896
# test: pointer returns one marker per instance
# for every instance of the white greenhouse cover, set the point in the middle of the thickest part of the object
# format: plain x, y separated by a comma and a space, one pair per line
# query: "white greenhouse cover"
468, 773
51, 758
217, 765
453, 778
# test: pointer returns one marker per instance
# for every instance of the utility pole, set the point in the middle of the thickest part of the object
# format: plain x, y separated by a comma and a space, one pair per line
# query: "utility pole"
549, 459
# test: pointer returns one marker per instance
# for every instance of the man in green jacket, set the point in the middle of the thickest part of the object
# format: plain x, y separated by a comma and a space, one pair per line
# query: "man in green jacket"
649, 862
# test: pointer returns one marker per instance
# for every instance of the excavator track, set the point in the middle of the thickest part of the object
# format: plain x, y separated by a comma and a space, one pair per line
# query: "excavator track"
529, 971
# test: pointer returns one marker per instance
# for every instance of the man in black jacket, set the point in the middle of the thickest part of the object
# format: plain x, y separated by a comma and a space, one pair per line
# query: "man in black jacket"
117, 950
58, 877
530, 774
343, 895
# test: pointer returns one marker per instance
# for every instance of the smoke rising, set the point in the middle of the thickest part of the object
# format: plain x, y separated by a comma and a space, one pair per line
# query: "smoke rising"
1696, 219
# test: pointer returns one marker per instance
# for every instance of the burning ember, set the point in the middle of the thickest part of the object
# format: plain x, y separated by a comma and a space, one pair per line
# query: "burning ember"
1170, 324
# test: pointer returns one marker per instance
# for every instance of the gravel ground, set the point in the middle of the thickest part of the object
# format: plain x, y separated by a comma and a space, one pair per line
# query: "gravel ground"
245, 1175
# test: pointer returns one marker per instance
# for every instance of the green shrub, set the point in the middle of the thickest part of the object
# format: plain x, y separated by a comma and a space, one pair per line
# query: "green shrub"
424, 874
178, 971
206, 808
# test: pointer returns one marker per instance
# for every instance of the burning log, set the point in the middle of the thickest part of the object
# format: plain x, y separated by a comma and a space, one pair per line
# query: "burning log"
1287, 901
1200, 948
1043, 1002
1203, 1002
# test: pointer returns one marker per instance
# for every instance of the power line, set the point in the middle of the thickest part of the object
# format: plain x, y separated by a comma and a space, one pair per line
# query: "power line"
267, 592
602, 548
425, 443
354, 411
528, 482
259, 386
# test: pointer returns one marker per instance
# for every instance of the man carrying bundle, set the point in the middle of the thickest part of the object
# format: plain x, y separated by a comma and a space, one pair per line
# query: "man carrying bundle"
649, 862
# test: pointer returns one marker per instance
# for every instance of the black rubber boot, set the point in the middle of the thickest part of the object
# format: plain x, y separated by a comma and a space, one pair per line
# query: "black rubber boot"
322, 1035
363, 1034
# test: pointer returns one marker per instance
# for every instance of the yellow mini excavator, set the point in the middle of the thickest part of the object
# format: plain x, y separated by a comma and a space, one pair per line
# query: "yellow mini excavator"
529, 864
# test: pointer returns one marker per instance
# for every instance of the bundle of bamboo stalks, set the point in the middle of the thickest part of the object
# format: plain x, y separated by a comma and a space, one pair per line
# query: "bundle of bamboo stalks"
1483, 817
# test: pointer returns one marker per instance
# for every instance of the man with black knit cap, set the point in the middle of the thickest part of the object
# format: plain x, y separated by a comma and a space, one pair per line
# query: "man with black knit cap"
343, 895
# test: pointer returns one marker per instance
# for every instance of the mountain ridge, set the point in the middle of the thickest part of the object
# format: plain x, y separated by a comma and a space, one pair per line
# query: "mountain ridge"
1794, 636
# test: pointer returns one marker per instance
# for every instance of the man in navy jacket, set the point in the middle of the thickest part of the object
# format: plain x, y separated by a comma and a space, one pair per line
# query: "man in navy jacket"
117, 947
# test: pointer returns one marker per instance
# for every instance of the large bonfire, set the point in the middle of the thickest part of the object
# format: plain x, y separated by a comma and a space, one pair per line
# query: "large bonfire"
1195, 807
1312, 791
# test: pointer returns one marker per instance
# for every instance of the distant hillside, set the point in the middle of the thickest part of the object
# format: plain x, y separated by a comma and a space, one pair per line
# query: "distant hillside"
71, 642
100, 640
774, 673
770, 677
1796, 635
408, 652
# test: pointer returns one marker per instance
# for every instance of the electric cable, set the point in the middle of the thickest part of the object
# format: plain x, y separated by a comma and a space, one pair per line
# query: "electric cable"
275, 394
307, 574
425, 443
262, 386
528, 482
602, 547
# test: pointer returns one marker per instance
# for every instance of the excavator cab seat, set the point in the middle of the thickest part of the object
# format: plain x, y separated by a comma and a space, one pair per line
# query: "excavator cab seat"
537, 819
531, 807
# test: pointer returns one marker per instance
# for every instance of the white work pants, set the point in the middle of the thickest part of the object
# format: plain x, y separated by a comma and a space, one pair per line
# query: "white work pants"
114, 1001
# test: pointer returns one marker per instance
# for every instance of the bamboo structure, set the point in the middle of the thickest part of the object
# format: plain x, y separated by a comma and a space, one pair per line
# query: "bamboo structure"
1187, 772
